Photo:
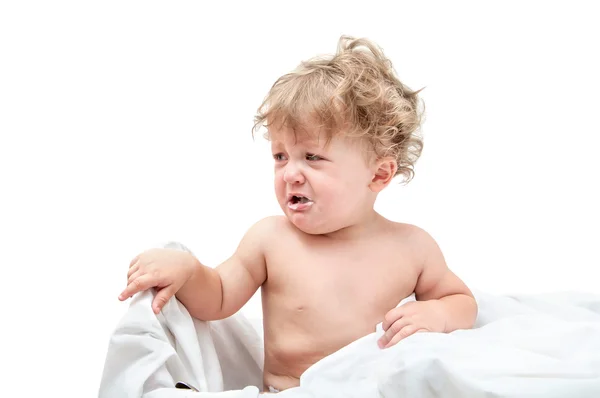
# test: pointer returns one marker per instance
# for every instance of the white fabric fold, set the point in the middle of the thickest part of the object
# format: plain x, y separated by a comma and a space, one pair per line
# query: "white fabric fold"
148, 354
522, 346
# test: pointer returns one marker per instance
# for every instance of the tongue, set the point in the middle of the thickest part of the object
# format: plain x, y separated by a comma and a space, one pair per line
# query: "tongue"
300, 203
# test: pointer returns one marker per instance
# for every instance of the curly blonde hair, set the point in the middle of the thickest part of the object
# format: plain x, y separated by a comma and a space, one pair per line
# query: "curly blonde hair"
356, 92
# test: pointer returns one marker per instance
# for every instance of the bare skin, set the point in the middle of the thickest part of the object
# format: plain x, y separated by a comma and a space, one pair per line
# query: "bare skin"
321, 292
306, 317
330, 270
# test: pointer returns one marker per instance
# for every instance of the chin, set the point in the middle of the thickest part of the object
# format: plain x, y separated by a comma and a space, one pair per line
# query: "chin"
308, 226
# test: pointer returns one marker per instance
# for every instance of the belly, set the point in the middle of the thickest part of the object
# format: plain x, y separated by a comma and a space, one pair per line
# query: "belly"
298, 337
308, 318
288, 357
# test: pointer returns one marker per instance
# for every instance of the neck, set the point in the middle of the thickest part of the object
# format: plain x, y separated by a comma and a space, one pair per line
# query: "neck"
362, 228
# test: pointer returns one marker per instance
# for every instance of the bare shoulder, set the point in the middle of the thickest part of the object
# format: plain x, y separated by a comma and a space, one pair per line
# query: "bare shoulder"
416, 237
265, 232
255, 242
435, 279
419, 245
270, 227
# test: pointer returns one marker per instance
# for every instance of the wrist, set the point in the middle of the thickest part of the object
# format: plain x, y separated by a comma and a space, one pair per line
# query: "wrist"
443, 315
459, 311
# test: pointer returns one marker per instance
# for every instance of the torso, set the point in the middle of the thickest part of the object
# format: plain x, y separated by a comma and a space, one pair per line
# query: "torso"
322, 294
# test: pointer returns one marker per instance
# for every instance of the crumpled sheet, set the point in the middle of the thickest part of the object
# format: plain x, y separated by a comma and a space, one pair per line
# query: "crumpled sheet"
149, 354
521, 346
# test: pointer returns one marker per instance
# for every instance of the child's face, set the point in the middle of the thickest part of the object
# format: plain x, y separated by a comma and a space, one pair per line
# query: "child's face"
321, 188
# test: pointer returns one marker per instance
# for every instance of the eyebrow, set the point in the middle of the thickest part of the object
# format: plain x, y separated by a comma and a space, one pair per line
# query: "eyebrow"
312, 142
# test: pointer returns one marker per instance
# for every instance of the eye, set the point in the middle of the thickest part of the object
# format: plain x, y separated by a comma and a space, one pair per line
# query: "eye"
278, 157
312, 157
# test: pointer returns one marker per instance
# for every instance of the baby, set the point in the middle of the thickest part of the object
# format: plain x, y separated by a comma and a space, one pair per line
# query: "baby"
331, 268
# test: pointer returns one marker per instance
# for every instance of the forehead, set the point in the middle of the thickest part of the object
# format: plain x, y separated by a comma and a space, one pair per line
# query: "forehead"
287, 136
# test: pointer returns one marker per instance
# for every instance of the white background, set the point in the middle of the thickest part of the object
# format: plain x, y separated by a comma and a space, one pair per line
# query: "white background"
127, 124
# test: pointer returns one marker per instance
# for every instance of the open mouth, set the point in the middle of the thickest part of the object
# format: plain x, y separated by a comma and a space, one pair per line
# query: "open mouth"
299, 199
298, 202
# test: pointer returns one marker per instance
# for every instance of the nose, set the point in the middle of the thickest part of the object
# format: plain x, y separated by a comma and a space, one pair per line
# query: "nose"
292, 174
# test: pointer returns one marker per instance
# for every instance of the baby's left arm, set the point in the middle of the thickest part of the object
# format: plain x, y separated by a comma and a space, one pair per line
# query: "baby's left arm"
444, 303
438, 282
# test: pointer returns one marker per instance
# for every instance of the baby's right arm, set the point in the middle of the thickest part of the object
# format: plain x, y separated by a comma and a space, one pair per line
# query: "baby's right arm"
220, 292
207, 293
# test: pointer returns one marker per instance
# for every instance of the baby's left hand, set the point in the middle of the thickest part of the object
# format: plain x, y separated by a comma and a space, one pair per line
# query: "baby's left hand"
412, 317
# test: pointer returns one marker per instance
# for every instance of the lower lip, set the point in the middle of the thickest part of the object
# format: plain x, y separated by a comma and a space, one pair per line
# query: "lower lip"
299, 206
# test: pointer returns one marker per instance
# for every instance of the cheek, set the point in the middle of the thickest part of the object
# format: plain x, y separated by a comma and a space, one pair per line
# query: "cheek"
352, 192
278, 181
337, 193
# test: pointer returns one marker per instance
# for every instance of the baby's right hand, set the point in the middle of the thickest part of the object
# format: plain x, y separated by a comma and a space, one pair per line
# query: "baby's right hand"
165, 269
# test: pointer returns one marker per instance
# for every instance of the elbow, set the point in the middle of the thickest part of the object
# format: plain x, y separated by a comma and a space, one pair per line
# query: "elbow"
201, 314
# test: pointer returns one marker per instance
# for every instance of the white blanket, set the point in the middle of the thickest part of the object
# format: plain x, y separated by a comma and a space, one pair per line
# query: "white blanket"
526, 346
149, 354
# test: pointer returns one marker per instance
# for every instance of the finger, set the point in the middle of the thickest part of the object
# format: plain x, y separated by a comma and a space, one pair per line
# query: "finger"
133, 269
406, 331
161, 298
133, 276
393, 330
391, 317
137, 285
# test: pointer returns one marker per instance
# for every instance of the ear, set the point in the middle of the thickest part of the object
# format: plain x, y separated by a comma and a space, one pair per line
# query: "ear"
384, 171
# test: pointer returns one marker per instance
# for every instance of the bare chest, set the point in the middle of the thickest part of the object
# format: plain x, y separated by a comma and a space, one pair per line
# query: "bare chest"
319, 297
320, 287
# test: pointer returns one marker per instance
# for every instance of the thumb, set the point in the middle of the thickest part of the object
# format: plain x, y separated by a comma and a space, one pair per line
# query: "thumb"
161, 298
